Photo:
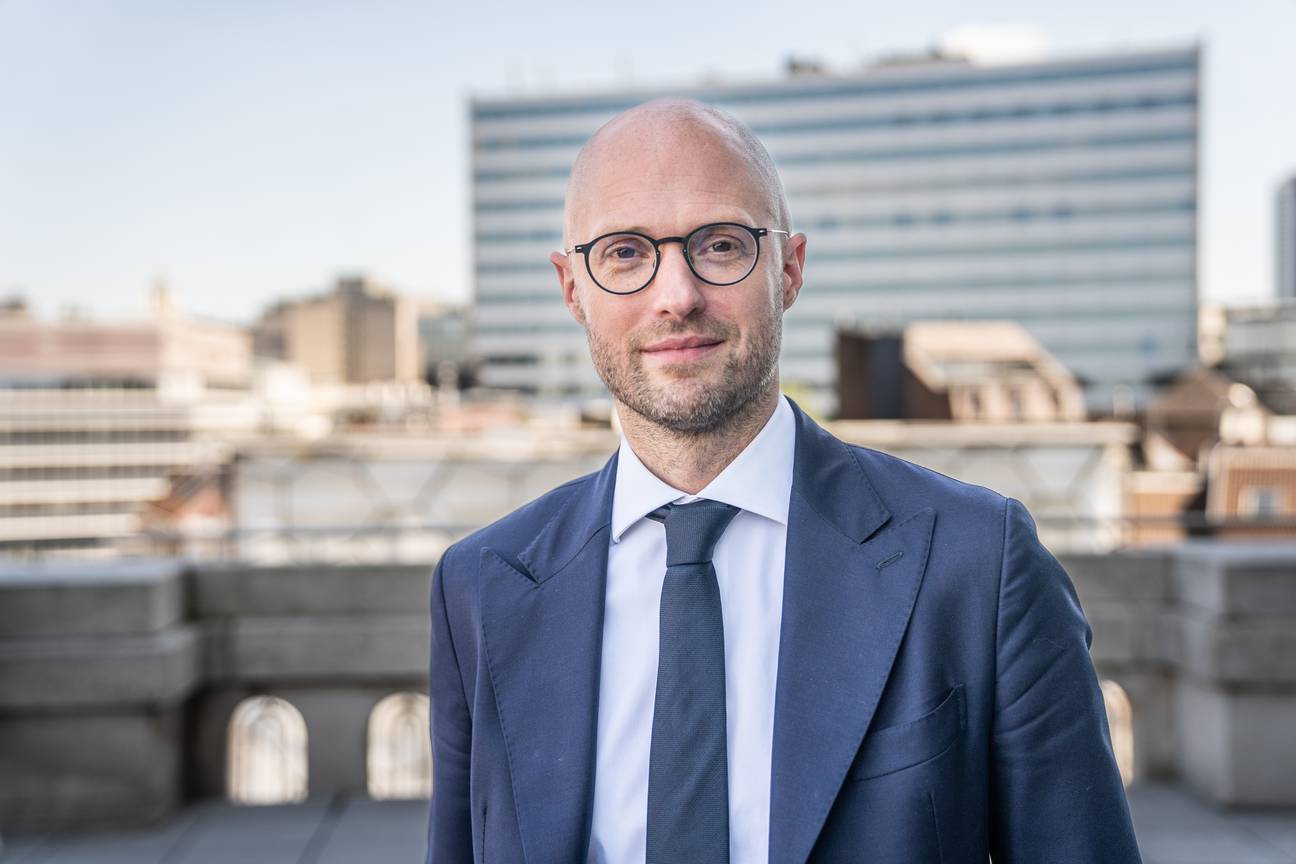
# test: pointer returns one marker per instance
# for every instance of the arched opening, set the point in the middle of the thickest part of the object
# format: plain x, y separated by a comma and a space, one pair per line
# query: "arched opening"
266, 753
1120, 719
400, 754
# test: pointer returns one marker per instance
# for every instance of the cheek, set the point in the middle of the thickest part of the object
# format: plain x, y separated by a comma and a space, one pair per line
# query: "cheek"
754, 310
612, 321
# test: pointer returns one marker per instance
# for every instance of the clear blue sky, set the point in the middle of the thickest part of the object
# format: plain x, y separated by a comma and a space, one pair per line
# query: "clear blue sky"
249, 149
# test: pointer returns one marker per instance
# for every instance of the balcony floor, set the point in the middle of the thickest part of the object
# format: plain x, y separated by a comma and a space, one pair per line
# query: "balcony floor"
1173, 828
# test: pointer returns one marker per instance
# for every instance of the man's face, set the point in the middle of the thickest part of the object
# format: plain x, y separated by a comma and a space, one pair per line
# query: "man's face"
682, 353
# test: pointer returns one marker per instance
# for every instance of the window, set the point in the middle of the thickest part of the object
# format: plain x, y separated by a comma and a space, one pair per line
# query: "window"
1262, 503
266, 753
1120, 720
400, 755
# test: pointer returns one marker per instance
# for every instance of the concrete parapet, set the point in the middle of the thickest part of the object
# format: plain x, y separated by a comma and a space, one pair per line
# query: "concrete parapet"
1237, 579
96, 662
118, 682
1236, 688
291, 649
97, 768
81, 672
231, 590
118, 598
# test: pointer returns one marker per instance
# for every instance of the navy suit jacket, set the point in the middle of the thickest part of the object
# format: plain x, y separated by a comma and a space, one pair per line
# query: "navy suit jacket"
935, 698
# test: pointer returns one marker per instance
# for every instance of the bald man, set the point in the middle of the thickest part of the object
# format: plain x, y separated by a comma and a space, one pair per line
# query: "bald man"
743, 639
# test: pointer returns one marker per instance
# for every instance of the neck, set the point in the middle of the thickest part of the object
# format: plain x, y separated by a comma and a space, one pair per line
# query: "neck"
689, 461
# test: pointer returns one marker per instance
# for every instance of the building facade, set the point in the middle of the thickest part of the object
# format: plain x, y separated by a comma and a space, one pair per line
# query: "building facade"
99, 419
1285, 242
1259, 349
1062, 195
359, 333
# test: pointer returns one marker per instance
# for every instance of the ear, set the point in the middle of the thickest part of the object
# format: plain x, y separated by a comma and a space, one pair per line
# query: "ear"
793, 268
567, 280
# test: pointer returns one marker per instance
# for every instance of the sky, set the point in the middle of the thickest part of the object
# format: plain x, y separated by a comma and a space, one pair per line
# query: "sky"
249, 150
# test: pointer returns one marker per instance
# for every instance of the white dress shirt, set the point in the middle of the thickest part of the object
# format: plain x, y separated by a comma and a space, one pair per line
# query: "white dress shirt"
749, 567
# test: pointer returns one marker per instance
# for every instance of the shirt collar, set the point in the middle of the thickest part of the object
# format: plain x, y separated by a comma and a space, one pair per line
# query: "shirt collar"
758, 480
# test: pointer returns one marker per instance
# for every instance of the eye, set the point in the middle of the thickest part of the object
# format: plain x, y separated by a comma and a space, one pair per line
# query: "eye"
721, 243
622, 249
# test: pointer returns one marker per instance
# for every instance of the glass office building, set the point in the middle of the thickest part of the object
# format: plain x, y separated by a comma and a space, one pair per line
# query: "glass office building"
1285, 243
1060, 194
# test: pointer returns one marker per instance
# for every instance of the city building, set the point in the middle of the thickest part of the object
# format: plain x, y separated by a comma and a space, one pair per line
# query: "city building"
966, 371
99, 419
1061, 195
1251, 491
443, 345
1285, 242
359, 333
1258, 348
1216, 458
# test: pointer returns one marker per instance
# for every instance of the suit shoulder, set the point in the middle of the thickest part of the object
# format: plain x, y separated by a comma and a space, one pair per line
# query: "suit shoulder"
907, 486
510, 534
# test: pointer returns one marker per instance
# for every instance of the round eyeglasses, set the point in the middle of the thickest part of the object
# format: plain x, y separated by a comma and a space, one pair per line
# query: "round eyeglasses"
721, 253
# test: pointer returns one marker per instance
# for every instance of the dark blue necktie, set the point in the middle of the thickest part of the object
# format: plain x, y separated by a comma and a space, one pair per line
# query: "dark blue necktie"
688, 780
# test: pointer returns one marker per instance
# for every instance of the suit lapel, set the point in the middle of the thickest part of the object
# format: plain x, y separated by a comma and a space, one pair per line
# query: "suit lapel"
852, 574
542, 628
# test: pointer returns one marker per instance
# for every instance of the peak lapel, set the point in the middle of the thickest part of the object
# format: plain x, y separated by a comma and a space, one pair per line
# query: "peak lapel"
843, 619
542, 627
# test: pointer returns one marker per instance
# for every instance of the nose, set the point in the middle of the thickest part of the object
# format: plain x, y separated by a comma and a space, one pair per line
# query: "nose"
676, 292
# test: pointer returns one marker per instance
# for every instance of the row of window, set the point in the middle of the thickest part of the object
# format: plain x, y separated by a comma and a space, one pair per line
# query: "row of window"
857, 290
266, 754
97, 384
963, 78
93, 436
980, 180
1094, 346
1185, 241
84, 472
1147, 277
912, 152
1139, 105
810, 323
69, 508
911, 219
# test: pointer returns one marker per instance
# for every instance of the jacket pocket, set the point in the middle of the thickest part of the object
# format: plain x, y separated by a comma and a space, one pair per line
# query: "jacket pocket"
895, 748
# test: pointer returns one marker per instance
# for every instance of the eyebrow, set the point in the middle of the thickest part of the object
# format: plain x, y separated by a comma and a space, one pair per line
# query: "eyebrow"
640, 229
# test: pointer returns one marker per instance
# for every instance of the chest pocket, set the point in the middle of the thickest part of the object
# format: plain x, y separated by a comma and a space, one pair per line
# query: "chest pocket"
895, 748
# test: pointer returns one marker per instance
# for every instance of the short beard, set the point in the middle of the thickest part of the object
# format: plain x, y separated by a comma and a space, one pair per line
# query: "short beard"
686, 407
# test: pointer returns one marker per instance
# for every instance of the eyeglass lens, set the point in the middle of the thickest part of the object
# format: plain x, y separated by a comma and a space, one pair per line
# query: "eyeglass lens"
719, 254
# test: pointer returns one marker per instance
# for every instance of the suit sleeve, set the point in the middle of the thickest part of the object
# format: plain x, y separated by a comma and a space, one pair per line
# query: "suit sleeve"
449, 822
1056, 794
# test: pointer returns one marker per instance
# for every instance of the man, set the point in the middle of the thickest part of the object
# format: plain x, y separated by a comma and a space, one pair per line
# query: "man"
744, 640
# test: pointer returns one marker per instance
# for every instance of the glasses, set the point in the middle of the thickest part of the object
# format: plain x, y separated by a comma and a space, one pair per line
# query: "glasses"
721, 253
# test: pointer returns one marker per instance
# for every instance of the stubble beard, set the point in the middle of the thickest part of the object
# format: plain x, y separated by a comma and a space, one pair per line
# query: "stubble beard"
697, 401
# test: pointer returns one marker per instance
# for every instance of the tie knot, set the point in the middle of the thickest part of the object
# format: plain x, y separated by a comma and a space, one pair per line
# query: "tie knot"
693, 529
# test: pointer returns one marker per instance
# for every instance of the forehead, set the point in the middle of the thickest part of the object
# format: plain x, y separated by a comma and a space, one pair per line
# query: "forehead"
668, 181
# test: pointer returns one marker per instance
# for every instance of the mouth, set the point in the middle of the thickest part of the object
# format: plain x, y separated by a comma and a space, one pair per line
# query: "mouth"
679, 349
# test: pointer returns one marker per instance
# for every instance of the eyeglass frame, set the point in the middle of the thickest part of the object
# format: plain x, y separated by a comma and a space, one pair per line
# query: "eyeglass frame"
757, 233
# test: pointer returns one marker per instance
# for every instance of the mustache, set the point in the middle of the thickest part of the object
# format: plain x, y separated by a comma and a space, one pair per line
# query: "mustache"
704, 328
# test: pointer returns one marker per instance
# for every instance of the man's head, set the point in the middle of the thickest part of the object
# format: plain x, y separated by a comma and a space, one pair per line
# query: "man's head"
683, 354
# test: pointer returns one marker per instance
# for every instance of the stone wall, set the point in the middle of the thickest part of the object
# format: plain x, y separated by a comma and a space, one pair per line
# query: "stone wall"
117, 681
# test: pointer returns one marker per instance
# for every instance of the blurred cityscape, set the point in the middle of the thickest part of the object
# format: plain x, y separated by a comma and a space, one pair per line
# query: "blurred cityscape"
215, 538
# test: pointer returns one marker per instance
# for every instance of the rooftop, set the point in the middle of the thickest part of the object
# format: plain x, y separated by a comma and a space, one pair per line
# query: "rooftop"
1173, 828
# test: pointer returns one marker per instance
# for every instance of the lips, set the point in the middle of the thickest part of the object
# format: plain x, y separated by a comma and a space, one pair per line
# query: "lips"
680, 343
682, 349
